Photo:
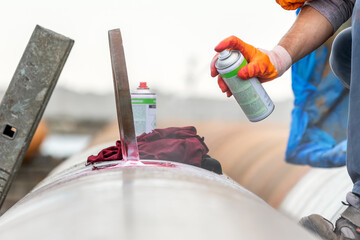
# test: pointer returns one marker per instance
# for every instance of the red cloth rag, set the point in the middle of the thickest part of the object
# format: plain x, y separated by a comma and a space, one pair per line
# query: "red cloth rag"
177, 144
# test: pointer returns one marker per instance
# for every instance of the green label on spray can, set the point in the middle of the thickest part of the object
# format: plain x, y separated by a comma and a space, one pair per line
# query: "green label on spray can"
144, 113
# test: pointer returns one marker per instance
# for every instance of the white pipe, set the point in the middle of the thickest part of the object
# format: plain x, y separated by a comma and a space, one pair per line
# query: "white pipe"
173, 201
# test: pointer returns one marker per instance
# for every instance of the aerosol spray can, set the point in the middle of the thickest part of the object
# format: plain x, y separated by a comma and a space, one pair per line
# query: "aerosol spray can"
144, 109
250, 94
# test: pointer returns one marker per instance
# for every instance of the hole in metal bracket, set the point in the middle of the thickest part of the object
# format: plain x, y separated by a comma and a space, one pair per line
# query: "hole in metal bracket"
9, 131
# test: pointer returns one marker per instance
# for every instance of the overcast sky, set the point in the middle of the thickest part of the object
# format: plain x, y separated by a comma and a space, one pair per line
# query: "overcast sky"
169, 44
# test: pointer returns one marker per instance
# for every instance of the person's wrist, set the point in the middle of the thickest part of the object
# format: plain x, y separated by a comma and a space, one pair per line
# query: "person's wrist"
280, 58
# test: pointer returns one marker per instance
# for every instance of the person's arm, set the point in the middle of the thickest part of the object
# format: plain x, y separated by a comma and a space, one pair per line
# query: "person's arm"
310, 30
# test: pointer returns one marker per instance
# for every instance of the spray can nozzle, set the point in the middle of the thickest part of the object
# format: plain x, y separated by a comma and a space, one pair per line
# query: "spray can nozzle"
143, 85
224, 54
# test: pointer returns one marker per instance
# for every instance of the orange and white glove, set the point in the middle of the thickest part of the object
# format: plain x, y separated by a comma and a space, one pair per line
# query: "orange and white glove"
291, 4
262, 64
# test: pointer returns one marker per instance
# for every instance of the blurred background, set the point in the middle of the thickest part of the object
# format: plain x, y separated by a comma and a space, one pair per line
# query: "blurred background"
170, 46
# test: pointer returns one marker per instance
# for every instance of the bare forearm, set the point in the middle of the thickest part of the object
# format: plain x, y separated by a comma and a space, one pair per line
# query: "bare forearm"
310, 30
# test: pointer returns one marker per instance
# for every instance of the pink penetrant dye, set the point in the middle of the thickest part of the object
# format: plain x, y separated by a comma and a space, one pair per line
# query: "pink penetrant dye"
131, 163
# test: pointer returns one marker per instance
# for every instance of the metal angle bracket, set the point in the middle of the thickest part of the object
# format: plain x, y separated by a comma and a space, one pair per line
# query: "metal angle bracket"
123, 98
26, 98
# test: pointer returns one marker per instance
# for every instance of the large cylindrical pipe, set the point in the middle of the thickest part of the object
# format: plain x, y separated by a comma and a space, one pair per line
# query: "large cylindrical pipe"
167, 201
320, 191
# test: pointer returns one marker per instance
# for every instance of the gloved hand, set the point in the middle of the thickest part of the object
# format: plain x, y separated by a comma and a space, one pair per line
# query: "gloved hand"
291, 4
265, 65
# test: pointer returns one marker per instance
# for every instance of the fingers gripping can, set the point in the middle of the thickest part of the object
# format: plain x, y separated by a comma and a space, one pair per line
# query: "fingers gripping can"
250, 94
144, 109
